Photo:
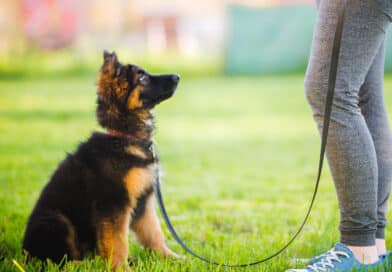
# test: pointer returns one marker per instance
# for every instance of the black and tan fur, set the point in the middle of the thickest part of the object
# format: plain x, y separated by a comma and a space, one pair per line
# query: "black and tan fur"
104, 189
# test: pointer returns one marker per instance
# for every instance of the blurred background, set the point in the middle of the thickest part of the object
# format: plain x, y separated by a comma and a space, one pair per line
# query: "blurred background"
46, 37
237, 140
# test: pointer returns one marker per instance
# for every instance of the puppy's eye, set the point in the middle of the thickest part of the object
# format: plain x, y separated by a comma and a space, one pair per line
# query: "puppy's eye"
143, 79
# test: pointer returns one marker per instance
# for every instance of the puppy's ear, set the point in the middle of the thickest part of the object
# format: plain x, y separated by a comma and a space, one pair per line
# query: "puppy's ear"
107, 56
110, 63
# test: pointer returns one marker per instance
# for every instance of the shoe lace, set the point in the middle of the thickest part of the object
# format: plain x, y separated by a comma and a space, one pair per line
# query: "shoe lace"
327, 261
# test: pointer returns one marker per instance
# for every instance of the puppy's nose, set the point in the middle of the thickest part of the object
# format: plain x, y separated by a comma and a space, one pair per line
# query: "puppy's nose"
176, 78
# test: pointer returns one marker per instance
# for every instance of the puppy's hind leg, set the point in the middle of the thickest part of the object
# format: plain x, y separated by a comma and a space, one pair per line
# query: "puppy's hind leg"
148, 230
51, 236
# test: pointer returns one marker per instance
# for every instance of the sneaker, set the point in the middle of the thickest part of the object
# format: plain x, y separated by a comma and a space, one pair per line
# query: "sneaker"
386, 259
339, 258
318, 258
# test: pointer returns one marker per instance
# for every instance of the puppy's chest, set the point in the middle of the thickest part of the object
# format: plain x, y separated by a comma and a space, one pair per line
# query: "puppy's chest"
139, 181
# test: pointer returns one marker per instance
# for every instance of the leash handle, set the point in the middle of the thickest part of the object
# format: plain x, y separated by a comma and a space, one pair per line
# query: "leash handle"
324, 137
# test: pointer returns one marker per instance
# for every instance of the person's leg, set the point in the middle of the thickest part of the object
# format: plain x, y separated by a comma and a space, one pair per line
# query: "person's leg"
371, 102
350, 151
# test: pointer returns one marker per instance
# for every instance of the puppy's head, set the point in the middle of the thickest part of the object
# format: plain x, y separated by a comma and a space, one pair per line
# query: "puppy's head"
127, 93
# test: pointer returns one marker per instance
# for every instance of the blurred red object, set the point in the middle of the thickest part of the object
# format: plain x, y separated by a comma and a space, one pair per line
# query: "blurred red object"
51, 24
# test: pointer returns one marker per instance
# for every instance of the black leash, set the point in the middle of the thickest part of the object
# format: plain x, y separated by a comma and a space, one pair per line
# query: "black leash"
327, 117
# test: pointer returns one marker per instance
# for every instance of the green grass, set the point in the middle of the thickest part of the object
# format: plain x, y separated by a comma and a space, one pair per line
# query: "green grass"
239, 156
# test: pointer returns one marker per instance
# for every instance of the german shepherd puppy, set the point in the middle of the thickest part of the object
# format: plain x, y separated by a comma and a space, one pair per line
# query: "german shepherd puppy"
105, 188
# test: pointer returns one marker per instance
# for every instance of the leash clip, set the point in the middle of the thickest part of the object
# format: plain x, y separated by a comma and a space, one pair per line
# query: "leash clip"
152, 148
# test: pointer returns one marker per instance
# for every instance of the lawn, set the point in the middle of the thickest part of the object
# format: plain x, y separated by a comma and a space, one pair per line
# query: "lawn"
239, 156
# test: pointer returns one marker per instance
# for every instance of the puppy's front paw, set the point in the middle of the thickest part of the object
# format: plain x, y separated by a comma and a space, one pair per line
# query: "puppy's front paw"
167, 253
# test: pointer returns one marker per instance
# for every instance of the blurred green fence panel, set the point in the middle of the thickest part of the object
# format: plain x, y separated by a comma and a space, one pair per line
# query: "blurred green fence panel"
273, 40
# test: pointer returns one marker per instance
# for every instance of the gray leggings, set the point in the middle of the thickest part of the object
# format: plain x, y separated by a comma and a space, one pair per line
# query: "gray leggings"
359, 149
